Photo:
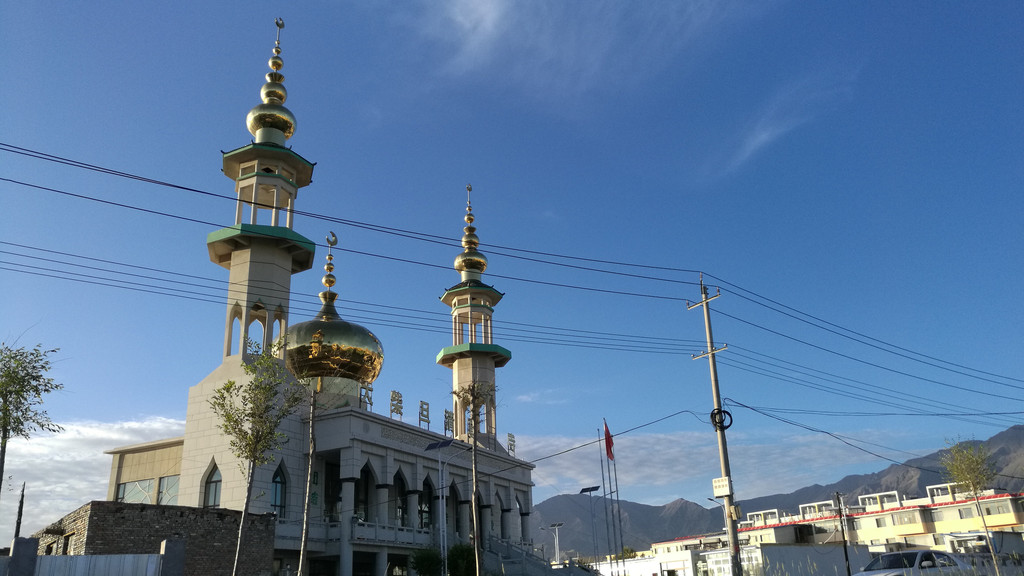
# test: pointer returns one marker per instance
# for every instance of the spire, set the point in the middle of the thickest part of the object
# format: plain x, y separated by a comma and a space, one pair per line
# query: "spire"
327, 297
471, 263
270, 122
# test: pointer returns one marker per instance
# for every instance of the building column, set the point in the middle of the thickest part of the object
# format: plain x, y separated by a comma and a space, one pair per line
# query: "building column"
412, 509
382, 505
380, 565
347, 515
485, 525
465, 520
524, 527
506, 524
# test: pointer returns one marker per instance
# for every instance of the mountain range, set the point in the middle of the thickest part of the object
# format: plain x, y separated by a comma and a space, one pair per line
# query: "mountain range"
583, 531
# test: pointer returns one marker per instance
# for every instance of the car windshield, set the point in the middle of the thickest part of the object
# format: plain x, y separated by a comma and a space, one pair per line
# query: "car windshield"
890, 561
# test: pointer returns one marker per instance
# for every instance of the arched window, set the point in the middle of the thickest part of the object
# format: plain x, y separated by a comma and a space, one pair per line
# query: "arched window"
277, 493
425, 504
398, 495
211, 492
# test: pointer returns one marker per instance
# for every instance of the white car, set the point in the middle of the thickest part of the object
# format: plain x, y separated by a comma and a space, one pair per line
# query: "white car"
917, 563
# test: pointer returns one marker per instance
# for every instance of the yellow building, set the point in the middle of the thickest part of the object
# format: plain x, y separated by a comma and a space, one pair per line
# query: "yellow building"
811, 540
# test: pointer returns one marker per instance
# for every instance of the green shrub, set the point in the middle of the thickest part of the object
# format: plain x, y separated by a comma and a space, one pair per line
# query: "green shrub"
462, 560
426, 561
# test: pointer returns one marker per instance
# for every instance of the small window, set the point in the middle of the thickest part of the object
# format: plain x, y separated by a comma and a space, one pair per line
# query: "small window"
212, 489
966, 513
904, 518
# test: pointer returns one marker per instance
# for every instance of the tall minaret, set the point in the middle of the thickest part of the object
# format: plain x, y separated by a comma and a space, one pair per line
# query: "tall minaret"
473, 356
261, 250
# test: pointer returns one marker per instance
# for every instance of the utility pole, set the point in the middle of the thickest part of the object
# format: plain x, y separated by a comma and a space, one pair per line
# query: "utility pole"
721, 420
21, 508
838, 502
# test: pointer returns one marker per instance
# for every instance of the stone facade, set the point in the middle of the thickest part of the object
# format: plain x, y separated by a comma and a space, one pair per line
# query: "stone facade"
210, 535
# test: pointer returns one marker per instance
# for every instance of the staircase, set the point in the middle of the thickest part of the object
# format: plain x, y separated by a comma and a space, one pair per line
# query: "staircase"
504, 558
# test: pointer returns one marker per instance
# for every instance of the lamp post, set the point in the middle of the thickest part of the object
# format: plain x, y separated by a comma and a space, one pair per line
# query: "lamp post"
589, 491
554, 528
442, 503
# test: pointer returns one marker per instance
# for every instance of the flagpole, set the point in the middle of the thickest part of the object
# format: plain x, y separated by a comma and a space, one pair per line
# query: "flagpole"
619, 510
610, 455
606, 481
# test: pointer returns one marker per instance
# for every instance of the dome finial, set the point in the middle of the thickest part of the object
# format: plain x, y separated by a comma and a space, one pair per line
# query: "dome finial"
270, 122
329, 279
471, 263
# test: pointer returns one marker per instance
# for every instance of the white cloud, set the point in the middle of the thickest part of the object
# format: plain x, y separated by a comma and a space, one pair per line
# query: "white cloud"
790, 107
66, 470
658, 468
549, 397
557, 49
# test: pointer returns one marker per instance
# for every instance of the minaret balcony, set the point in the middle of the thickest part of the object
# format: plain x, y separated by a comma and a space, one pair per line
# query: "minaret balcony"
448, 356
222, 243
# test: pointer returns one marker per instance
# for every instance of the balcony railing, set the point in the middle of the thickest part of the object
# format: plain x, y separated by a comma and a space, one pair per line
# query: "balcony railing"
289, 534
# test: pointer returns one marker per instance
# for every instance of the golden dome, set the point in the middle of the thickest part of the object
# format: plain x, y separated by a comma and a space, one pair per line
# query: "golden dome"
270, 116
328, 347
271, 121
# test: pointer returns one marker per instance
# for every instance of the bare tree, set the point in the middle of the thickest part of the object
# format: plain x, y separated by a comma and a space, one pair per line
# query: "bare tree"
250, 414
476, 397
969, 466
23, 383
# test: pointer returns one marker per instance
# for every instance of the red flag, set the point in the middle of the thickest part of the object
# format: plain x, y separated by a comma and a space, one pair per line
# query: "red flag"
608, 443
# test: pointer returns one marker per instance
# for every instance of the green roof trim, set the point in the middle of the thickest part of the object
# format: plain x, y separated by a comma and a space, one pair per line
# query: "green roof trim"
269, 148
473, 347
458, 289
261, 230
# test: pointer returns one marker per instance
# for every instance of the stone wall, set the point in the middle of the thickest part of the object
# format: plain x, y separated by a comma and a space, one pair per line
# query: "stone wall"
102, 527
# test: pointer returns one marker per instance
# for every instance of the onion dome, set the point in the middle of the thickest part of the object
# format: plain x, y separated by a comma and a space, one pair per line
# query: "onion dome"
328, 347
471, 263
270, 122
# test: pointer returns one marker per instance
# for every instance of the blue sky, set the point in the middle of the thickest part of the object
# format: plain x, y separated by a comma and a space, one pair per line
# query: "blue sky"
854, 166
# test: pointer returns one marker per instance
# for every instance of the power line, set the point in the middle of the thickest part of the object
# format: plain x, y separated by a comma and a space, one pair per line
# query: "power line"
512, 252
872, 364
514, 331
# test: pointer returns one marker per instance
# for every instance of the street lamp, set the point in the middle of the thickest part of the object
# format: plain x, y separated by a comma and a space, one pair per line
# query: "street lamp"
554, 527
442, 503
589, 491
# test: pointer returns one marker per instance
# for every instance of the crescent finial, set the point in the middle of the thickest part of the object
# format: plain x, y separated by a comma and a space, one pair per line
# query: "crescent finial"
332, 239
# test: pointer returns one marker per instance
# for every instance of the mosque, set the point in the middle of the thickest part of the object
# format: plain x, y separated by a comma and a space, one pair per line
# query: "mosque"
381, 488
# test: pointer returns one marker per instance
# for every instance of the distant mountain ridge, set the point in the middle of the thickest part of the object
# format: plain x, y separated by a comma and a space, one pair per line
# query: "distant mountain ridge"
643, 524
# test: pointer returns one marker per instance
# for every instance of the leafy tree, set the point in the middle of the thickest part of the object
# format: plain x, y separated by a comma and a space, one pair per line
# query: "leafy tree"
969, 465
627, 553
250, 414
23, 382
426, 561
462, 560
